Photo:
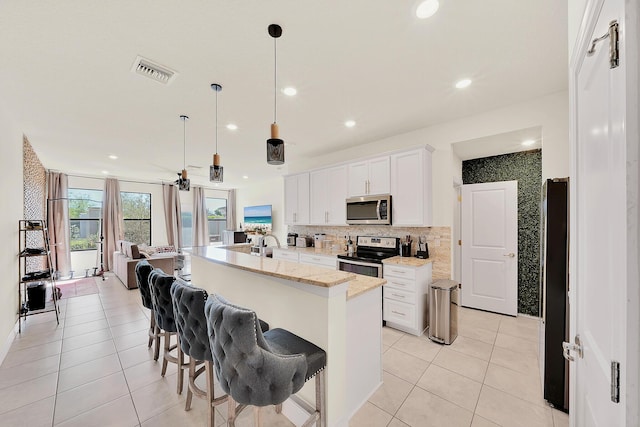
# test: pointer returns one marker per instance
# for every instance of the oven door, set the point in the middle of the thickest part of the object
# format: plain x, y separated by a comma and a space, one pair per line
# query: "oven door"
358, 267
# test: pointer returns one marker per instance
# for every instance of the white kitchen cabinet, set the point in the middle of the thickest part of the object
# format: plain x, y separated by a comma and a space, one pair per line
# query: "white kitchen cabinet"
405, 294
328, 194
285, 254
369, 176
296, 199
411, 188
326, 261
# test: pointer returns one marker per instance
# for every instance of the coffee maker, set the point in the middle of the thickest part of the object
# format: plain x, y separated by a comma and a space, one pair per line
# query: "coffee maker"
291, 239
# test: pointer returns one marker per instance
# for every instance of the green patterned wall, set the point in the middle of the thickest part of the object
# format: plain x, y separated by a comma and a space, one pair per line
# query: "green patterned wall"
526, 168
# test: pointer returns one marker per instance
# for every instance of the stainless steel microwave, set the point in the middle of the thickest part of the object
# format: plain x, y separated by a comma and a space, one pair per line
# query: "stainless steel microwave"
369, 209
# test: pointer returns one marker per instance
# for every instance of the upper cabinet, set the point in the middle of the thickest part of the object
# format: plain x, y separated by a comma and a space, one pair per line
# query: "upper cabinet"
328, 194
369, 177
296, 199
411, 188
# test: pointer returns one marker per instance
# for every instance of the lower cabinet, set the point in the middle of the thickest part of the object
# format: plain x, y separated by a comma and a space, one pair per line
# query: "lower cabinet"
285, 254
404, 304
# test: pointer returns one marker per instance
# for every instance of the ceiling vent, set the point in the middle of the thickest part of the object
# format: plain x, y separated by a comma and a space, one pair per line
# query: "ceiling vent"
154, 71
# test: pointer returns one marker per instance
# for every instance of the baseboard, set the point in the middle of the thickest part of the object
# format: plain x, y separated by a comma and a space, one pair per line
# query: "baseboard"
8, 342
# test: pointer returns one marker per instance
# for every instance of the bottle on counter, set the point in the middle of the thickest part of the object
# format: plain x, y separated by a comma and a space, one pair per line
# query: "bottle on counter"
350, 248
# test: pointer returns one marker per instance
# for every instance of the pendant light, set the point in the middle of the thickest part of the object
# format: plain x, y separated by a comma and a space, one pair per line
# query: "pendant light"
215, 170
183, 182
275, 146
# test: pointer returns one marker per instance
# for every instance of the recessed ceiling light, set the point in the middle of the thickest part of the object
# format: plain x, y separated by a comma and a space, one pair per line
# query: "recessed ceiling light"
232, 126
350, 123
528, 142
461, 84
105, 172
427, 8
290, 91
113, 156
245, 177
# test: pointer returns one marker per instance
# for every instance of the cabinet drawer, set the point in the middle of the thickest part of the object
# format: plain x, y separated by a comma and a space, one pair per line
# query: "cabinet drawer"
399, 312
402, 284
324, 261
398, 295
393, 271
286, 255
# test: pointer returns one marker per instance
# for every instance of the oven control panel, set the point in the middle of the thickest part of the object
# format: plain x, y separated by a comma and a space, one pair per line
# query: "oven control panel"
378, 242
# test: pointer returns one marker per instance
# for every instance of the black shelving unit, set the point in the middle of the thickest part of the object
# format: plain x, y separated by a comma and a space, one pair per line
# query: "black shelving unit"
30, 302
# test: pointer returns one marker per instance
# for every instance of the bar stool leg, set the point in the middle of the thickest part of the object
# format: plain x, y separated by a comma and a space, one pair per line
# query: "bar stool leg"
208, 368
320, 399
278, 408
156, 348
180, 366
192, 376
152, 329
167, 342
257, 416
231, 412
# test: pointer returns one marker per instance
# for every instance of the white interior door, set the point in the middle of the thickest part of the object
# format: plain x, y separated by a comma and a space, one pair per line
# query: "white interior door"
490, 246
599, 225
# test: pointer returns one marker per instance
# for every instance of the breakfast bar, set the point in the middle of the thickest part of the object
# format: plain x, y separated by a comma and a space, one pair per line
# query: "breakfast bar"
338, 311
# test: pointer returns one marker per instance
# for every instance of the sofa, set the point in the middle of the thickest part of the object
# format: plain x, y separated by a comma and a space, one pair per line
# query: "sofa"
129, 254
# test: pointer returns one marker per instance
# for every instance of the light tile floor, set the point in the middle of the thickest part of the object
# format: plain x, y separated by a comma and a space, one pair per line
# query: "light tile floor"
94, 369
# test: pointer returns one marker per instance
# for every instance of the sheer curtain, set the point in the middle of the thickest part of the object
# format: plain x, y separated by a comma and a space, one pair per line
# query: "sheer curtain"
58, 221
112, 223
200, 226
172, 215
231, 210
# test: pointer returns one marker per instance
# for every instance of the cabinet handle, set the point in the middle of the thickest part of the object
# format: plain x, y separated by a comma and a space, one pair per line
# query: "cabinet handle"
398, 313
399, 296
399, 271
294, 217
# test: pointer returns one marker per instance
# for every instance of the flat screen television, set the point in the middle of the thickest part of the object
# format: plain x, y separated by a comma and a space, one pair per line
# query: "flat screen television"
258, 219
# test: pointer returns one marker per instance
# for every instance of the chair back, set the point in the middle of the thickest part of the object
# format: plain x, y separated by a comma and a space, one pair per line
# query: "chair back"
143, 269
160, 284
188, 308
246, 367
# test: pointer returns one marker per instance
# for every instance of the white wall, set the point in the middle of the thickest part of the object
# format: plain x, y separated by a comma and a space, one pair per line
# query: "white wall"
550, 112
576, 12
269, 192
11, 213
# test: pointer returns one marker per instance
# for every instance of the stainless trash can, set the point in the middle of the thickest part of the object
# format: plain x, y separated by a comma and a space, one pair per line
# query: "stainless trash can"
443, 311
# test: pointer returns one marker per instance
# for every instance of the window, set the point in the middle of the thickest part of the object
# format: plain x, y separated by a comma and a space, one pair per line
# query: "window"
187, 228
216, 218
85, 211
136, 212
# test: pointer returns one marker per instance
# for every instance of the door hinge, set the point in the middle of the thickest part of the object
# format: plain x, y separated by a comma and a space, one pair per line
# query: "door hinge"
615, 381
568, 347
614, 51
459, 242
459, 198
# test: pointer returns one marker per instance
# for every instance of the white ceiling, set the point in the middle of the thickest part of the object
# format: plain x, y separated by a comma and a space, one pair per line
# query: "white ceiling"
65, 76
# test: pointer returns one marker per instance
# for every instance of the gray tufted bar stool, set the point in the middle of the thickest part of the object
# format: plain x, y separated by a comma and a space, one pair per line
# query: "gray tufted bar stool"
188, 307
261, 369
143, 269
160, 284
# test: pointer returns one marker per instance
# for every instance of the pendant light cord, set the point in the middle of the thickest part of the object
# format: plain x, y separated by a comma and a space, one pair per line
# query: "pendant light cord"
275, 81
216, 122
184, 144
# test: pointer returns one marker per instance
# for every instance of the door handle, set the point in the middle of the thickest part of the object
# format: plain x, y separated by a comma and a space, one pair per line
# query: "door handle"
510, 255
567, 347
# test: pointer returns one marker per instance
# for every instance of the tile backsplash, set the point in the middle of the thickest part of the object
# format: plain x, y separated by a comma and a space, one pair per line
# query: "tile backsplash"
438, 240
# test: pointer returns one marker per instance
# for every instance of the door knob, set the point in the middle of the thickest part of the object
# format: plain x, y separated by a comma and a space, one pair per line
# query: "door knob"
510, 255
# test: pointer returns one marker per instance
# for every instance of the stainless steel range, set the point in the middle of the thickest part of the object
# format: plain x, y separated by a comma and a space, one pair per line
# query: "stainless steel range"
370, 252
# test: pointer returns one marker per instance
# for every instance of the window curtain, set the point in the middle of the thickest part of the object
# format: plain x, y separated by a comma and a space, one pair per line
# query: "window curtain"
172, 215
200, 225
112, 223
231, 210
58, 221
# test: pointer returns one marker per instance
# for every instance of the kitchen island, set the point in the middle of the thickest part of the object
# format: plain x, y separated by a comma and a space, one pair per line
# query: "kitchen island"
338, 311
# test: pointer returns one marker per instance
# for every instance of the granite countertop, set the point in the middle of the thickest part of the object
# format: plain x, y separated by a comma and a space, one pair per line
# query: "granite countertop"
362, 284
407, 261
308, 274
